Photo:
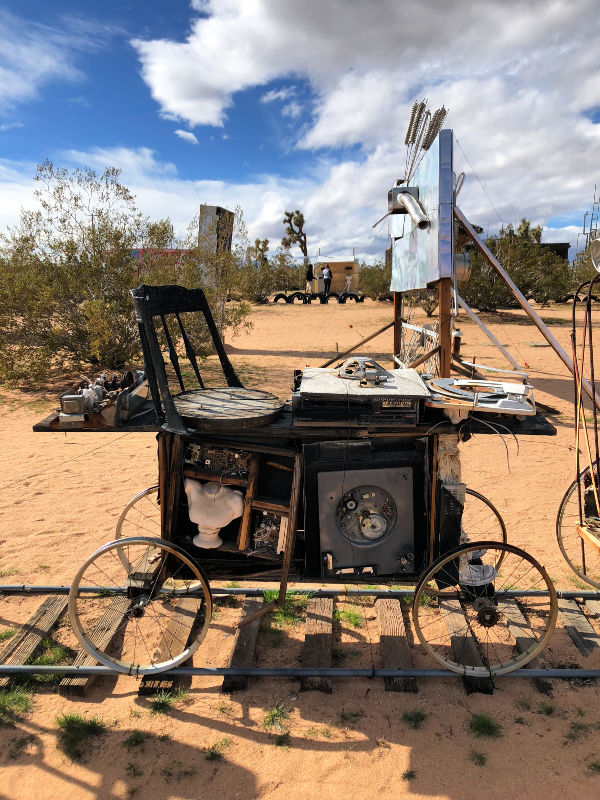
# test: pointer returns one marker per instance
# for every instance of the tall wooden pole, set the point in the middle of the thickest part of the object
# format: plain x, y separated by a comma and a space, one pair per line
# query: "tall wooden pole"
445, 326
397, 323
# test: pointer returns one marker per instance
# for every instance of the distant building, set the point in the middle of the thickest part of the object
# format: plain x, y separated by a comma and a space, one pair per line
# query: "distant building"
341, 267
558, 248
215, 228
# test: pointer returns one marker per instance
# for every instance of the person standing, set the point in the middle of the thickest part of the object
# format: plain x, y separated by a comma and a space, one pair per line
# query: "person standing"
310, 277
348, 282
326, 272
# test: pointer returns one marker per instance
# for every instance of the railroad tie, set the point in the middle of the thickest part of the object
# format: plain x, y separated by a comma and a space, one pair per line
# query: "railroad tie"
244, 646
395, 650
30, 635
316, 651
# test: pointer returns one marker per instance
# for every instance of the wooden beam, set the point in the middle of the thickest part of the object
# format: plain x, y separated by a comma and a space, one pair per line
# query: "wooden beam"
522, 300
245, 645
101, 636
464, 645
424, 357
32, 633
445, 326
397, 323
316, 651
395, 652
354, 347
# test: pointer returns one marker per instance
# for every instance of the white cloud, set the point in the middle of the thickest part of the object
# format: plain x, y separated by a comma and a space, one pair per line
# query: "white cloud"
7, 126
187, 136
292, 110
278, 94
32, 55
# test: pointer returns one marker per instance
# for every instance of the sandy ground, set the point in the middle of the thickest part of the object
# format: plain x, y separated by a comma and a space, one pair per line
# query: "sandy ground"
61, 496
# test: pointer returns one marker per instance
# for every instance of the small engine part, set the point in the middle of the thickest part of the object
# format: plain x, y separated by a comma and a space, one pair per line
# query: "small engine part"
365, 514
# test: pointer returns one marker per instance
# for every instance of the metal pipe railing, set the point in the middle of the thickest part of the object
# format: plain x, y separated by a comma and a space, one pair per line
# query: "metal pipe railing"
295, 672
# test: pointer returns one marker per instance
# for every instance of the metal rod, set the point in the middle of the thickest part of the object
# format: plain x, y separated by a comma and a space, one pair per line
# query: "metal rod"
521, 299
295, 672
339, 356
257, 591
487, 332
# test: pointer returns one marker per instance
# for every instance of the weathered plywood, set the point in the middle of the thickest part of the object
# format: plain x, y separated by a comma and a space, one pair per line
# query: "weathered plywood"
316, 651
395, 651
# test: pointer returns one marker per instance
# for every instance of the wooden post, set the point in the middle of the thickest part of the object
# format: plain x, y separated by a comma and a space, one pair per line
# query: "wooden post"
397, 323
445, 326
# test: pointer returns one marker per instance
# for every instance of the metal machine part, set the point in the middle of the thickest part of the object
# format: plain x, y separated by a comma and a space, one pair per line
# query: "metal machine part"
366, 520
345, 396
365, 515
218, 461
365, 370
457, 397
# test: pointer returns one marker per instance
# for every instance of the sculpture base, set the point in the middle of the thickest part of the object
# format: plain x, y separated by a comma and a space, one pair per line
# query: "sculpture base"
208, 541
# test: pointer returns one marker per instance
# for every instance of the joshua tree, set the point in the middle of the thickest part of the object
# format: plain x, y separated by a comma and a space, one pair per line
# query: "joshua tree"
294, 222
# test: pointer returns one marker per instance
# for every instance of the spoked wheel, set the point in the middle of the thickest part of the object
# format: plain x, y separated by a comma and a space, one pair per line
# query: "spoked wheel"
141, 516
481, 520
580, 555
151, 594
481, 620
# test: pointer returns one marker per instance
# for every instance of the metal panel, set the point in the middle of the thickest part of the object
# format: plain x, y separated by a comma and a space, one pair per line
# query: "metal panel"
420, 257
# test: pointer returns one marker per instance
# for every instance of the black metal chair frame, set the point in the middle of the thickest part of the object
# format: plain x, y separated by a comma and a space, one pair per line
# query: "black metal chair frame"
152, 302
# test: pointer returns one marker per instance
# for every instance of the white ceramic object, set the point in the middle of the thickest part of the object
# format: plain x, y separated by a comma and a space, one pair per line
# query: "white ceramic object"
212, 506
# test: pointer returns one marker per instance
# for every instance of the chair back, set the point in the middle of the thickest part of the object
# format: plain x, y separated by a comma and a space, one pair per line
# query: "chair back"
170, 319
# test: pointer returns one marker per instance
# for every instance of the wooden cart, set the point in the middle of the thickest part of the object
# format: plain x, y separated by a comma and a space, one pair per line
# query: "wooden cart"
343, 501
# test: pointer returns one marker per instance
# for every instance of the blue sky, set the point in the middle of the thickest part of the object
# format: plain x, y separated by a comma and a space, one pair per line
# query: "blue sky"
274, 104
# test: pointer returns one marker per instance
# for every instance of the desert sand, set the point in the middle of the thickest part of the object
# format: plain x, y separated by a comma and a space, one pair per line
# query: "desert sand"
61, 496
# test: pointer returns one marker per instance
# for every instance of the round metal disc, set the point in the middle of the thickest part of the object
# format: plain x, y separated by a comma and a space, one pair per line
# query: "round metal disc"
227, 407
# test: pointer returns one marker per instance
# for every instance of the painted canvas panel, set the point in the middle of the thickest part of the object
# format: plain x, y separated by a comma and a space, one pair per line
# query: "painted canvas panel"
420, 257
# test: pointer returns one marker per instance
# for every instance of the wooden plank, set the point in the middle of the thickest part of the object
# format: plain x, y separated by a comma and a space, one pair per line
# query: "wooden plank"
244, 646
32, 633
101, 636
464, 645
395, 652
578, 627
274, 508
316, 651
445, 326
174, 639
244, 532
521, 631
589, 536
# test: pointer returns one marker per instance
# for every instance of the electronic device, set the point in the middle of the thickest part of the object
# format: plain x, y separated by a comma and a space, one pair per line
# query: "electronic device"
458, 396
368, 505
221, 461
358, 392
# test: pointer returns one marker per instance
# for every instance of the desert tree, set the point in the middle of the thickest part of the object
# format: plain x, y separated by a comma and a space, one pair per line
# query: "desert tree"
294, 229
